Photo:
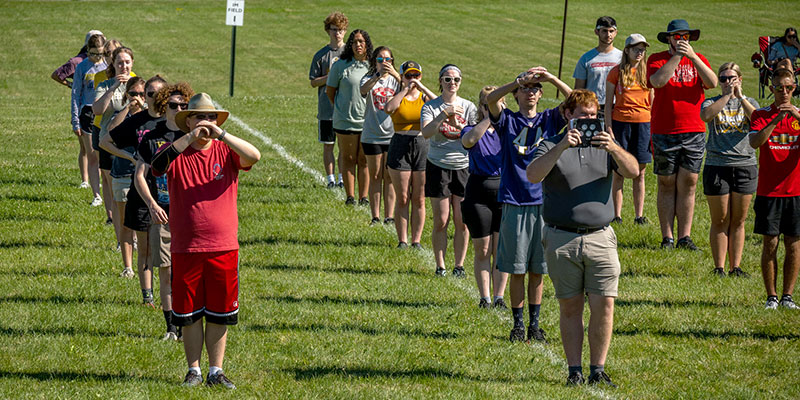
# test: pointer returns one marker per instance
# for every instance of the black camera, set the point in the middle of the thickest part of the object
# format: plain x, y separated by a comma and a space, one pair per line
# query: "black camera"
589, 128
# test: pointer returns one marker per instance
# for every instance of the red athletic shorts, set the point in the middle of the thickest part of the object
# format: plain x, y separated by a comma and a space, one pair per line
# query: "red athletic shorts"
205, 285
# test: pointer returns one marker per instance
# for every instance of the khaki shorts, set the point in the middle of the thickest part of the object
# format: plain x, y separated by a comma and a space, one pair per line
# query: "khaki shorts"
159, 237
120, 188
582, 263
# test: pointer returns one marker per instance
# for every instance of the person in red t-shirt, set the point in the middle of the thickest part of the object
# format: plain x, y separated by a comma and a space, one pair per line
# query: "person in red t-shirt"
678, 76
775, 131
202, 179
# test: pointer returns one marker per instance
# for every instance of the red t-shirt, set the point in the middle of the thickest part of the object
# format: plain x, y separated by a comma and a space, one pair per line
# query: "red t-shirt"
202, 200
779, 157
676, 106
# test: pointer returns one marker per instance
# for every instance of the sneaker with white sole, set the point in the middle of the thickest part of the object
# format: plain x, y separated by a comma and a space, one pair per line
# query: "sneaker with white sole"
98, 201
219, 379
84, 185
170, 336
192, 379
772, 303
127, 273
787, 302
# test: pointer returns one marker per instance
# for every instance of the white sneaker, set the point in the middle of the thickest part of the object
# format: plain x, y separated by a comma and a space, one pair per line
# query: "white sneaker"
98, 201
772, 303
84, 185
127, 273
170, 336
787, 302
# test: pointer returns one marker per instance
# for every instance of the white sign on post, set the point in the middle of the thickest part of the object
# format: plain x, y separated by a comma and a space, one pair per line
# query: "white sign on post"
235, 13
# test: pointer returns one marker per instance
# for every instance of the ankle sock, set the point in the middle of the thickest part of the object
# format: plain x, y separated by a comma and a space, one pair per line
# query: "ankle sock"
168, 319
214, 370
596, 369
196, 369
518, 318
533, 314
575, 368
340, 178
331, 179
495, 298
486, 298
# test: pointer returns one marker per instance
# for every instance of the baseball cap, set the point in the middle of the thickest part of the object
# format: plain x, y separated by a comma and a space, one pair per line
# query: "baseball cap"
411, 66
635, 39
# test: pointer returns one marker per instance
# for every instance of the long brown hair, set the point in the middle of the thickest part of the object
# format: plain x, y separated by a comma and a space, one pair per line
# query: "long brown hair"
626, 74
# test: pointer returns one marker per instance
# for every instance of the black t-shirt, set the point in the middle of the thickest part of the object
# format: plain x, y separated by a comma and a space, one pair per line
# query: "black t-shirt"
127, 136
160, 136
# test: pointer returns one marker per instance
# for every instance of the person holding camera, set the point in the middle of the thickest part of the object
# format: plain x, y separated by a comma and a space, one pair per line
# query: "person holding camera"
519, 245
576, 169
679, 77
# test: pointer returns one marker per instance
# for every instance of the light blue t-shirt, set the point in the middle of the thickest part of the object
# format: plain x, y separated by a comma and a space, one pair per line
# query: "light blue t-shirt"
593, 67
779, 50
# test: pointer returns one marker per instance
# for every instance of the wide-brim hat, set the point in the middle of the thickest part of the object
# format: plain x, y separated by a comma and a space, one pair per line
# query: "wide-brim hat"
677, 25
199, 103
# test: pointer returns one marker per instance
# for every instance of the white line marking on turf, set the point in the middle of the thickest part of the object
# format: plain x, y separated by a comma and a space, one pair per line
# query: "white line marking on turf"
554, 358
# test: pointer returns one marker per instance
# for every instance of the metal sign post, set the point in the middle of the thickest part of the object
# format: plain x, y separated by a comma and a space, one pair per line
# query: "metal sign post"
234, 17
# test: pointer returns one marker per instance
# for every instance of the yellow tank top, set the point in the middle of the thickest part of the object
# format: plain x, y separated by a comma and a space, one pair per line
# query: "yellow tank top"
406, 117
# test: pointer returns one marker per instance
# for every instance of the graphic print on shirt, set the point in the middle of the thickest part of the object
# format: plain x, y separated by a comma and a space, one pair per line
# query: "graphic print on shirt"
450, 131
729, 121
380, 96
685, 73
785, 141
522, 139
217, 170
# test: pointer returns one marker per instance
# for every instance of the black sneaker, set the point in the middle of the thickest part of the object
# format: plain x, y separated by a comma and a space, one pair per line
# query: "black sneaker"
416, 246
718, 272
667, 243
441, 271
686, 243
109, 221
536, 334
601, 378
500, 304
616, 220
517, 334
458, 272
402, 245
483, 304
331, 185
363, 201
575, 379
375, 221
350, 201
192, 379
387, 221
737, 272
219, 379
641, 221
340, 185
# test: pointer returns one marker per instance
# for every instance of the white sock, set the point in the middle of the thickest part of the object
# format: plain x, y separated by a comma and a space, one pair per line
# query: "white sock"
195, 369
340, 178
331, 178
214, 370
497, 297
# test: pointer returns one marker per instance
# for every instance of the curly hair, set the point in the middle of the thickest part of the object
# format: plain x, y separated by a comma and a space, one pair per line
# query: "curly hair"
373, 65
336, 19
347, 54
580, 97
180, 88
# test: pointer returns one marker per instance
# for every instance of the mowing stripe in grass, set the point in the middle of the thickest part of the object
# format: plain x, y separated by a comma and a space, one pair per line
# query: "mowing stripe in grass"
427, 254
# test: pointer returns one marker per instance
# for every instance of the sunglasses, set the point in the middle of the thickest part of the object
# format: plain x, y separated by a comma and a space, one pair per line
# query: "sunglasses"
792, 36
532, 89
134, 94
151, 93
206, 117
412, 76
448, 79
95, 54
727, 78
174, 106
786, 88
678, 36
382, 59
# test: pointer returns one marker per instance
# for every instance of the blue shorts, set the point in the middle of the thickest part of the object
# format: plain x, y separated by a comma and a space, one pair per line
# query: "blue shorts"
634, 137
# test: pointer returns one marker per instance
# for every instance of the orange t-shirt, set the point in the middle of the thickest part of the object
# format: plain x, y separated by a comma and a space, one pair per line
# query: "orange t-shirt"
406, 117
631, 104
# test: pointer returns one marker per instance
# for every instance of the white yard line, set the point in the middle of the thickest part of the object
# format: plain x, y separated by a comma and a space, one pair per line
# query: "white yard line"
470, 290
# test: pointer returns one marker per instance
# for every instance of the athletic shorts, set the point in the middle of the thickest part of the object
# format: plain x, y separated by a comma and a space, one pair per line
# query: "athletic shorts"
519, 249
582, 263
120, 188
159, 237
634, 137
374, 149
205, 285
720, 180
137, 216
86, 119
325, 133
480, 209
678, 150
776, 215
346, 132
441, 182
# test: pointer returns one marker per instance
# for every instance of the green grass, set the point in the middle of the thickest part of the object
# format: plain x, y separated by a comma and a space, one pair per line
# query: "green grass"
329, 308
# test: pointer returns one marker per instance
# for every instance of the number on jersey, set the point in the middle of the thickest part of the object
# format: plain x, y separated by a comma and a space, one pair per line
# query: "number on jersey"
522, 140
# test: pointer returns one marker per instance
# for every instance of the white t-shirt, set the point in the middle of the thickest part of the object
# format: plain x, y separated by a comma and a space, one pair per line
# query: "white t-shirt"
593, 67
446, 150
378, 127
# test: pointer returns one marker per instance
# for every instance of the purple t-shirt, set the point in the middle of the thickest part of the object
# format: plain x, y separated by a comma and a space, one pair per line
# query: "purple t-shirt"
68, 69
519, 137
484, 157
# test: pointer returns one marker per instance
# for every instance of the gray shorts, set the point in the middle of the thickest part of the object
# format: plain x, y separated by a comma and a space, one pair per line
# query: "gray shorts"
519, 249
120, 188
159, 237
671, 151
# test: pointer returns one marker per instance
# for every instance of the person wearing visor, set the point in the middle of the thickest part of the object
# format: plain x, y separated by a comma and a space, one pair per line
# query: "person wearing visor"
679, 76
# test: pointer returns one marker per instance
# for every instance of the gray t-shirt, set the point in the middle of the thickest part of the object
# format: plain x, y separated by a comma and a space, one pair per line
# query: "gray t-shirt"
349, 105
446, 150
577, 191
114, 106
728, 143
320, 65
378, 126
593, 67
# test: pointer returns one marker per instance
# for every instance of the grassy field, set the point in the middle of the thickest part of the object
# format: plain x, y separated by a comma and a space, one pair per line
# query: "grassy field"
329, 308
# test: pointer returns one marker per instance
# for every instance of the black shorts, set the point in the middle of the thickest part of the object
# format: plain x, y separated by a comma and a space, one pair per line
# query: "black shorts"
671, 151
137, 216
346, 132
372, 149
480, 209
440, 182
634, 137
325, 133
95, 137
720, 180
86, 119
407, 153
776, 215
106, 159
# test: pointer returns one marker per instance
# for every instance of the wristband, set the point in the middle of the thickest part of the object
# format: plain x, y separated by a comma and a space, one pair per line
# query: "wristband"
222, 135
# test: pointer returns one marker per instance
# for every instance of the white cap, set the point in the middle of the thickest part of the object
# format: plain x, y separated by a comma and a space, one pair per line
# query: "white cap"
635, 39
90, 34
